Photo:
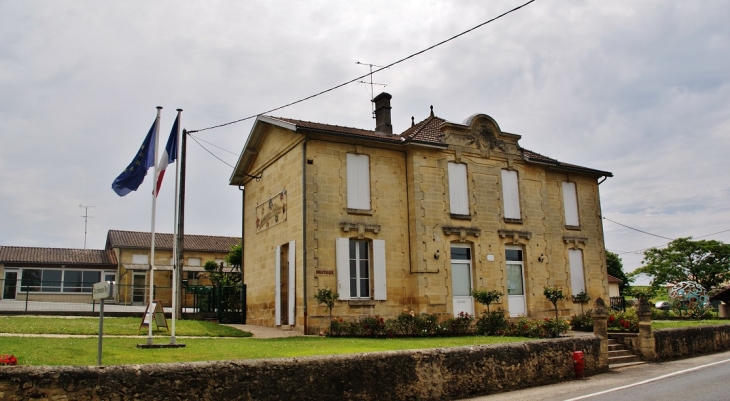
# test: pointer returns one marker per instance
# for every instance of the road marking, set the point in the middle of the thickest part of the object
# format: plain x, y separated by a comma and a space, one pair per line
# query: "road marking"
647, 381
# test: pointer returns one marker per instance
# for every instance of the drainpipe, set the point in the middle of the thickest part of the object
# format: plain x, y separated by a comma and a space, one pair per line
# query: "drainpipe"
243, 228
304, 230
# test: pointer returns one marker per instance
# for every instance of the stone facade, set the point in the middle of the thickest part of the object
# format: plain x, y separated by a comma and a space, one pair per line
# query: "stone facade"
412, 218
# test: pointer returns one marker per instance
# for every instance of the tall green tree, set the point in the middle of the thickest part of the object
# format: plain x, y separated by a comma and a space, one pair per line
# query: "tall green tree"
706, 262
616, 269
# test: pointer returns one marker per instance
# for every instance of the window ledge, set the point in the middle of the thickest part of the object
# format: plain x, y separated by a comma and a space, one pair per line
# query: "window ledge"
367, 212
574, 228
512, 221
460, 216
361, 302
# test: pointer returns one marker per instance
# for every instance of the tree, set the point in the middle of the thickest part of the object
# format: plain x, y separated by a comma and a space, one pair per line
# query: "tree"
327, 297
616, 269
554, 294
235, 257
706, 262
485, 297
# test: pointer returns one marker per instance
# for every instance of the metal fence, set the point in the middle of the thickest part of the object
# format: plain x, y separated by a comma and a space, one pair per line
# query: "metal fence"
225, 304
618, 304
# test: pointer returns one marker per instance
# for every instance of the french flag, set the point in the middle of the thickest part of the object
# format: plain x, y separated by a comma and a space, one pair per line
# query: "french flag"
169, 155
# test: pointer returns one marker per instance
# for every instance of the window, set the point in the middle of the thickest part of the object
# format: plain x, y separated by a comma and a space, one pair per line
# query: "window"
461, 271
458, 189
219, 261
510, 195
358, 181
140, 259
361, 269
194, 261
577, 277
57, 280
570, 202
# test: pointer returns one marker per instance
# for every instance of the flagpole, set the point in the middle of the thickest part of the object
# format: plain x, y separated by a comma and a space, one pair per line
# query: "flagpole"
176, 268
152, 245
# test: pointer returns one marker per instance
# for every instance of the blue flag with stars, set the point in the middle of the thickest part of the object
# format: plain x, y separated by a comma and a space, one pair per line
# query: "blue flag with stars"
132, 177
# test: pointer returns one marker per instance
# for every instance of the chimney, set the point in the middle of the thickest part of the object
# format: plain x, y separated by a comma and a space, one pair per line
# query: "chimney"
382, 113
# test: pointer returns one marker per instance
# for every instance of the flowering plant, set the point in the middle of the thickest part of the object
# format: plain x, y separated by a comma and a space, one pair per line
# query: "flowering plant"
8, 360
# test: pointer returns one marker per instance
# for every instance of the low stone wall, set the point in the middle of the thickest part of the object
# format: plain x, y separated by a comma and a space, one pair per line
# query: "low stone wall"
691, 341
433, 374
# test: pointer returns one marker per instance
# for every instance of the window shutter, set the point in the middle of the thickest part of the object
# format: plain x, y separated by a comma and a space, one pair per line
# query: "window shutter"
277, 288
510, 195
458, 189
577, 279
140, 259
358, 181
292, 277
342, 251
570, 201
379, 284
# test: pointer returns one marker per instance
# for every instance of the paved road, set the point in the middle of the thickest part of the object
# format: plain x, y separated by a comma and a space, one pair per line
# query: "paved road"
695, 379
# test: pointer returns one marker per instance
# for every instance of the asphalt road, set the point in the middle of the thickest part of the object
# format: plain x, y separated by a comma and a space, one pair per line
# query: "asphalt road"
695, 379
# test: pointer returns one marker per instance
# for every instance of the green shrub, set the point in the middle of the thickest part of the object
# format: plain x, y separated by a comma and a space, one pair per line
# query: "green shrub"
492, 323
627, 321
536, 328
582, 322
459, 325
485, 297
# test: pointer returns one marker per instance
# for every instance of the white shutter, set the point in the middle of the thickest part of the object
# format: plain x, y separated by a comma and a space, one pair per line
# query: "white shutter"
292, 287
140, 259
510, 195
358, 181
380, 288
570, 201
277, 288
458, 189
577, 278
342, 251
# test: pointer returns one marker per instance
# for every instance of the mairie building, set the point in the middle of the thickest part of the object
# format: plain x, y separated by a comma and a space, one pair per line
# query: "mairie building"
415, 221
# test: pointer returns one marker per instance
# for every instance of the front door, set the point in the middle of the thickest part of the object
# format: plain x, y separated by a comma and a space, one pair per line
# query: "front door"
461, 280
11, 285
138, 288
515, 282
284, 297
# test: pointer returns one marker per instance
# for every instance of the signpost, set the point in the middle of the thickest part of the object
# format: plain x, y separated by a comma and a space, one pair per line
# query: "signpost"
102, 291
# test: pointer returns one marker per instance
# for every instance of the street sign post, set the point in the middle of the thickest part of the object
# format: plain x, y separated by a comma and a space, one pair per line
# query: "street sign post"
102, 291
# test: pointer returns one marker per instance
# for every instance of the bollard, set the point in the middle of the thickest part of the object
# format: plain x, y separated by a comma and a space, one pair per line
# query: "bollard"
579, 364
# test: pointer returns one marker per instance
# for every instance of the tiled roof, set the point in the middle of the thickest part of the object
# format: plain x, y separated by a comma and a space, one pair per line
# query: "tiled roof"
425, 131
612, 279
336, 129
531, 156
24, 254
142, 240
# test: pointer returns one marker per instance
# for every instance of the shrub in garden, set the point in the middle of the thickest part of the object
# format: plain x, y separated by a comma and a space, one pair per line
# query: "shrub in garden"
492, 323
554, 327
327, 297
553, 294
582, 322
459, 325
627, 321
485, 297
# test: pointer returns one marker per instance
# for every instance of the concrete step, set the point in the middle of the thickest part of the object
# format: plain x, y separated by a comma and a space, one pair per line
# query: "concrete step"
623, 359
617, 353
611, 341
623, 365
616, 347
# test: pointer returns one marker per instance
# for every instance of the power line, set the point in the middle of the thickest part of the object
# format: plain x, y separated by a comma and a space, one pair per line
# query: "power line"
214, 145
363, 76
661, 246
636, 229
211, 153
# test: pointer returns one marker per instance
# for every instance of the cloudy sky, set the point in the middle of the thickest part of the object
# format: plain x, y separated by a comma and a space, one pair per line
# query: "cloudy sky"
641, 89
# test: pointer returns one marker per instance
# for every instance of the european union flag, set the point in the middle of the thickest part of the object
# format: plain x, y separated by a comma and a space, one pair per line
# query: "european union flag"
132, 177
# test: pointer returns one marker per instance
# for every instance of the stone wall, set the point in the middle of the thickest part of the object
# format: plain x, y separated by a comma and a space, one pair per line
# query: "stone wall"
433, 374
691, 341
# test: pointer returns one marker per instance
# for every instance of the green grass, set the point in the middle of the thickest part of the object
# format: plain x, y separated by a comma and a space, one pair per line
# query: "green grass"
671, 324
118, 351
120, 326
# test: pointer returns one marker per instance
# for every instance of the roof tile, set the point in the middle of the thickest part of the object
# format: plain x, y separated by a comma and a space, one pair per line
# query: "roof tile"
24, 254
142, 240
337, 129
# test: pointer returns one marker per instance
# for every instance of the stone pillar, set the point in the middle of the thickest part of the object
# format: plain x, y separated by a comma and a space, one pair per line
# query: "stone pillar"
646, 337
600, 329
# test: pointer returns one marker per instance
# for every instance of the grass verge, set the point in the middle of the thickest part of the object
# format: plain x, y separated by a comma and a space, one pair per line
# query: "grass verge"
672, 324
119, 326
118, 351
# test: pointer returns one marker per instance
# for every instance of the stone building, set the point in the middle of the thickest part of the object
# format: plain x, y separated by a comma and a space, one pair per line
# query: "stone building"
413, 220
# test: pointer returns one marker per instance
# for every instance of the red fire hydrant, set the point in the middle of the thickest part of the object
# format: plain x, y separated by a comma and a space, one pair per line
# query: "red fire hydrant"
579, 364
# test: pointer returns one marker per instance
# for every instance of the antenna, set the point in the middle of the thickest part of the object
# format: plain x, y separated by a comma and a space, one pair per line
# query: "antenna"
371, 83
86, 219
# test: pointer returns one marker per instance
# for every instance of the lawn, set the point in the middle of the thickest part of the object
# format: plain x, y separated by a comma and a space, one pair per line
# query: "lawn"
671, 324
119, 351
119, 326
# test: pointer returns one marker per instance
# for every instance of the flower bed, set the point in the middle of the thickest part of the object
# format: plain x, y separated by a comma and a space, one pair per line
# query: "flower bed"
8, 360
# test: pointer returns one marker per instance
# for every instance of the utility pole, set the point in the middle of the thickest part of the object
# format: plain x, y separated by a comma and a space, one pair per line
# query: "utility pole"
181, 218
86, 220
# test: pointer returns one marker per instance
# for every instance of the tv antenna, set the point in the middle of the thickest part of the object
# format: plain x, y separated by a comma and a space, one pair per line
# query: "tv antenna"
371, 83
86, 219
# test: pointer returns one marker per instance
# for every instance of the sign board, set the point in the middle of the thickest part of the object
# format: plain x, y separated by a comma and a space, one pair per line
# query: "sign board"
154, 311
102, 290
